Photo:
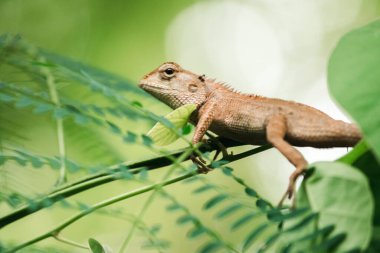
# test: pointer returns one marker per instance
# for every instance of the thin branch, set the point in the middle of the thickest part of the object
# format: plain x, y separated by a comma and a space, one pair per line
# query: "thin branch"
69, 242
151, 198
114, 174
97, 206
60, 129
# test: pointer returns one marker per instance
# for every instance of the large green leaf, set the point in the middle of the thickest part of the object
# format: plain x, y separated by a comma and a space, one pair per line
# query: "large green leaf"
362, 157
354, 79
164, 135
341, 196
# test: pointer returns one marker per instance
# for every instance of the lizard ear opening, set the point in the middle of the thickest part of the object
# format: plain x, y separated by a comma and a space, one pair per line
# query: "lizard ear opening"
192, 87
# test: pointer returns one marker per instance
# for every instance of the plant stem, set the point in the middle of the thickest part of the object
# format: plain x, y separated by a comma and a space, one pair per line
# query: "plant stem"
97, 206
69, 242
60, 129
99, 179
151, 198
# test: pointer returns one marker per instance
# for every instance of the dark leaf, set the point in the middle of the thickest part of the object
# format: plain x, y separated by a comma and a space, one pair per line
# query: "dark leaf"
173, 207
215, 200
243, 220
186, 219
250, 192
130, 137
186, 129
330, 244
249, 240
229, 210
147, 141
114, 128
95, 246
203, 188
263, 205
211, 247
196, 231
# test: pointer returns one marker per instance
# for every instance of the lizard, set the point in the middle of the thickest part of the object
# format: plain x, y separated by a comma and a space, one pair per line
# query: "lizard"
247, 118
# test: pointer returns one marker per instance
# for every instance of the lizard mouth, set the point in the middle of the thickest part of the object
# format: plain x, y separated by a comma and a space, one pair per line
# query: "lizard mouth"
151, 87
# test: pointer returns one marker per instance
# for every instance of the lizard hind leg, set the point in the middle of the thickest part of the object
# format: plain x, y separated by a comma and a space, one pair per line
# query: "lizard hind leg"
275, 132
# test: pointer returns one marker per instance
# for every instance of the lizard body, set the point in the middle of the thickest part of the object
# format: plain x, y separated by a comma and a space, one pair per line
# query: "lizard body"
247, 118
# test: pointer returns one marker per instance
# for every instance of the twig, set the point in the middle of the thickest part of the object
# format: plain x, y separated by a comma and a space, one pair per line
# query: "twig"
113, 174
150, 200
95, 207
69, 242
60, 129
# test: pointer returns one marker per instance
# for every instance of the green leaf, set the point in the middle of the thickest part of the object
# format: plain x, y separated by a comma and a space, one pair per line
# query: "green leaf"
60, 113
143, 174
130, 137
341, 196
249, 240
229, 210
364, 159
269, 242
243, 220
155, 229
330, 244
147, 141
186, 219
196, 231
41, 108
203, 188
227, 171
5, 97
211, 247
263, 205
250, 192
354, 79
162, 135
137, 104
186, 129
215, 200
95, 246
81, 119
72, 166
23, 102
173, 207
114, 128
278, 216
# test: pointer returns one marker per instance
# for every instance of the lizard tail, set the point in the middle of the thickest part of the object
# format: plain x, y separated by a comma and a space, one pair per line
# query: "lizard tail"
348, 135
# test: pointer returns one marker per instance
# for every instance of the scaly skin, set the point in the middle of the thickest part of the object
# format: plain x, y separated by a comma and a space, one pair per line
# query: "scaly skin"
249, 119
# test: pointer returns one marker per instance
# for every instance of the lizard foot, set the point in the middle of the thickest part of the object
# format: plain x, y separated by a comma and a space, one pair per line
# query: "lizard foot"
201, 164
291, 187
220, 148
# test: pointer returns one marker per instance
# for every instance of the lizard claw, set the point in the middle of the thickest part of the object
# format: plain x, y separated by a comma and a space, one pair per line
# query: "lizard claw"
200, 163
291, 187
220, 148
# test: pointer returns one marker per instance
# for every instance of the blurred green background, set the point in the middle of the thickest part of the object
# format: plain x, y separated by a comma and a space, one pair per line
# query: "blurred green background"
130, 38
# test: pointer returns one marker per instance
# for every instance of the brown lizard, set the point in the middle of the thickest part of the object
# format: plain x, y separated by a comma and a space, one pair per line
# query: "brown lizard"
249, 119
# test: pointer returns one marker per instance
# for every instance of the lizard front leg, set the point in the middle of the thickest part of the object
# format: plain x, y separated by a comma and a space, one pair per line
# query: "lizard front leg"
276, 129
204, 122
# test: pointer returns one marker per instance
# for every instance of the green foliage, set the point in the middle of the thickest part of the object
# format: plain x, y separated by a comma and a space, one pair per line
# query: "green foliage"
338, 204
95, 246
349, 208
164, 134
354, 79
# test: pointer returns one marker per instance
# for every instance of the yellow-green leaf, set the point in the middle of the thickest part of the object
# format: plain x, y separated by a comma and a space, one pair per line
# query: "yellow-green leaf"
163, 135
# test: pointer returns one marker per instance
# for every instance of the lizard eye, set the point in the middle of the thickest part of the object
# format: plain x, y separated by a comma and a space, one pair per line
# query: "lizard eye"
169, 72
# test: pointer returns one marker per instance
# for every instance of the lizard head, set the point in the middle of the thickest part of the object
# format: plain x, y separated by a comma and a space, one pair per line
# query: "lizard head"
175, 86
